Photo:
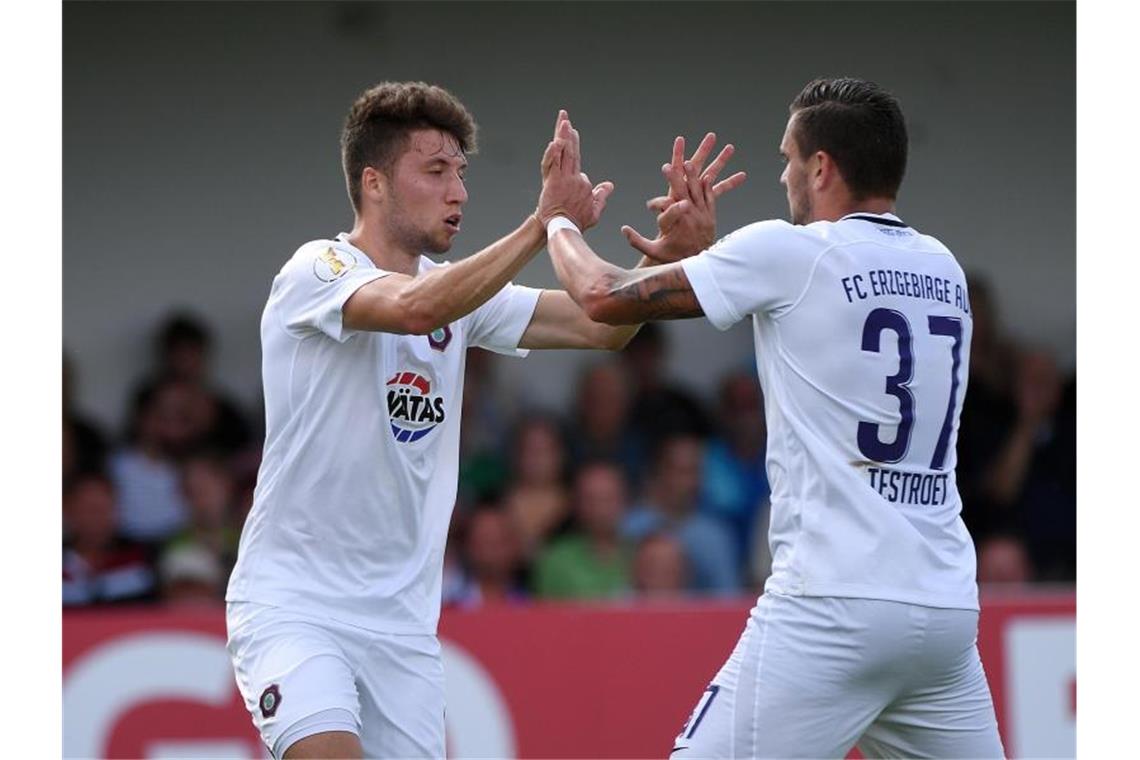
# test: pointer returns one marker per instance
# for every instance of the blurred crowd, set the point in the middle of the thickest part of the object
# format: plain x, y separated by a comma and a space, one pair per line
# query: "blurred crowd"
641, 489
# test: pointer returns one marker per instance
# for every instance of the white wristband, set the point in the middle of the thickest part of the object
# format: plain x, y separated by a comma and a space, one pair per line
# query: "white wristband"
560, 223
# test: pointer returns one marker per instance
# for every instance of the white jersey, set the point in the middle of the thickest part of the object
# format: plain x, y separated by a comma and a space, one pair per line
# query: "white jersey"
862, 331
359, 473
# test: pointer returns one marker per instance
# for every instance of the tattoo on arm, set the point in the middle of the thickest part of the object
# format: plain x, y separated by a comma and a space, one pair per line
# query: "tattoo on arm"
658, 293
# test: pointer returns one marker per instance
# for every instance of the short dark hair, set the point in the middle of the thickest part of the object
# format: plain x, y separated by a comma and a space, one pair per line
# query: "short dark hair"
180, 328
861, 126
376, 129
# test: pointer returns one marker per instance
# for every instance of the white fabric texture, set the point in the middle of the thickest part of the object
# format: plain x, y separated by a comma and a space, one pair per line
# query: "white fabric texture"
812, 677
390, 685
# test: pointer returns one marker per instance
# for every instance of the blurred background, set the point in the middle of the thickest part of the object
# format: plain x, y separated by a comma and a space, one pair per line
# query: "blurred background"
200, 150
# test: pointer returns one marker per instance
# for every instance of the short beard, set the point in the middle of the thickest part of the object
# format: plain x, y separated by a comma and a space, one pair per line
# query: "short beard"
802, 214
412, 238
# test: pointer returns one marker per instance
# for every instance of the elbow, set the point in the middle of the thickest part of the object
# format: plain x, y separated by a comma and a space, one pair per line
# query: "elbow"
415, 325
417, 316
595, 310
599, 305
608, 311
418, 322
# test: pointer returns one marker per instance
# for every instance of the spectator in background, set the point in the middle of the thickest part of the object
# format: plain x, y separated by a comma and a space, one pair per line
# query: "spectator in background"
191, 575
992, 352
672, 506
1032, 477
183, 351
209, 490
1020, 464
491, 558
537, 499
592, 561
152, 506
1002, 558
453, 585
759, 557
243, 467
84, 445
99, 566
986, 411
735, 485
487, 414
1017, 445
660, 569
600, 425
659, 408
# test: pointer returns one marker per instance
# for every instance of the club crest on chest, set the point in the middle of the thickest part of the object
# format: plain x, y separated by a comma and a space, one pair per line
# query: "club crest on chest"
440, 338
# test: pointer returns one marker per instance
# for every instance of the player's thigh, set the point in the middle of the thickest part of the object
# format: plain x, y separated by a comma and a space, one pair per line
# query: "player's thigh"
402, 697
326, 744
949, 712
790, 689
295, 679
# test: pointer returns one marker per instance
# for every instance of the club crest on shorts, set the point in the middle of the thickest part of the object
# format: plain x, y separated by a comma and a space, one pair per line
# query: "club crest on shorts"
413, 410
440, 337
270, 699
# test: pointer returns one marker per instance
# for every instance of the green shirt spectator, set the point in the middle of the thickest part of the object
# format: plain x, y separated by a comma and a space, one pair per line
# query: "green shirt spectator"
571, 568
592, 561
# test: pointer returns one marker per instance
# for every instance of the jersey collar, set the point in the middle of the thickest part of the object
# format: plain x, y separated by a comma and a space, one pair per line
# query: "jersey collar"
888, 220
342, 238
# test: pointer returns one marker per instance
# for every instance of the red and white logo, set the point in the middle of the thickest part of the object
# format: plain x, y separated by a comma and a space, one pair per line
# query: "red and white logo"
413, 410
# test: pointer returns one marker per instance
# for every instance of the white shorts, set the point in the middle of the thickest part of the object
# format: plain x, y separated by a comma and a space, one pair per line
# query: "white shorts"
302, 675
813, 676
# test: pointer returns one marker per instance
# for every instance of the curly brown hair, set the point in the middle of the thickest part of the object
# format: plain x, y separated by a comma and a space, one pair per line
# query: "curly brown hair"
376, 130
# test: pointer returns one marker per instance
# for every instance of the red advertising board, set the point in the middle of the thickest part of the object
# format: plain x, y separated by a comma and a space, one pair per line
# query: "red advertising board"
555, 681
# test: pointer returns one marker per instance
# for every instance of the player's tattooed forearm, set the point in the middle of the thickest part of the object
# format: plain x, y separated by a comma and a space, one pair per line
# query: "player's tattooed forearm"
665, 294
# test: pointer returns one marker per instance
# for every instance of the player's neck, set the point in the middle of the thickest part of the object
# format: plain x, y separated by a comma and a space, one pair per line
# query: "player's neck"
841, 207
385, 251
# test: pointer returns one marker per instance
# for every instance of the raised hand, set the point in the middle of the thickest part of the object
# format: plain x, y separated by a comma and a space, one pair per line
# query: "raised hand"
686, 218
566, 190
662, 202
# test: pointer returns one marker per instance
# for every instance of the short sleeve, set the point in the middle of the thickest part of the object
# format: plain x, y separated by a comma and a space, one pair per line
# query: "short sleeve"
499, 324
758, 269
311, 290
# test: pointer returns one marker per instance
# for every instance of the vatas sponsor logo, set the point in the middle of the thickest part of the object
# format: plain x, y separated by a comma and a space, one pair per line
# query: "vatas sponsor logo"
332, 264
413, 410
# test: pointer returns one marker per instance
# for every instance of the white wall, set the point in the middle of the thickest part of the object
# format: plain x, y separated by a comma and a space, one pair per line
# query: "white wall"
200, 145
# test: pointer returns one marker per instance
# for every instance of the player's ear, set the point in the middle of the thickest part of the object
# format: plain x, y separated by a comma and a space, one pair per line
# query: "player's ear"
373, 185
822, 170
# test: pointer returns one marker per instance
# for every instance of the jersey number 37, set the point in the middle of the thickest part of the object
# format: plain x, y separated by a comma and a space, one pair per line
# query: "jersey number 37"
870, 443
